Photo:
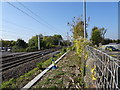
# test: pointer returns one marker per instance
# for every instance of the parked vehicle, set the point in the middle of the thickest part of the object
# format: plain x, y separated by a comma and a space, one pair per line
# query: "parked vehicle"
5, 49
111, 48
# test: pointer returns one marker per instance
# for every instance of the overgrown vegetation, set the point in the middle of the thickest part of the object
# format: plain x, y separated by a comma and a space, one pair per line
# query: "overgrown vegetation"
46, 42
80, 44
67, 74
22, 80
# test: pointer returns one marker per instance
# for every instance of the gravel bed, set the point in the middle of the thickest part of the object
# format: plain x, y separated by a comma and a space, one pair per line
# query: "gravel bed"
21, 69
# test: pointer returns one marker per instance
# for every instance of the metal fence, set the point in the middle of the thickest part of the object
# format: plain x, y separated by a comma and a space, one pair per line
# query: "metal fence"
107, 69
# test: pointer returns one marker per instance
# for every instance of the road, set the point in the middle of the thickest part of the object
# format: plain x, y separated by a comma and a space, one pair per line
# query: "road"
115, 54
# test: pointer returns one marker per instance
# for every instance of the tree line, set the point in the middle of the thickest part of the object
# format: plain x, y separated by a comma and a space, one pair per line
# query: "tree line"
97, 34
46, 42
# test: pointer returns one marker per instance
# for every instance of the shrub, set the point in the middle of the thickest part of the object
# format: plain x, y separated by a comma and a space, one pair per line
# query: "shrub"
17, 49
39, 65
64, 50
31, 49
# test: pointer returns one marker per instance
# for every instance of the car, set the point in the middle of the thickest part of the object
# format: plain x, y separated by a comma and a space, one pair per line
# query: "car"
2, 50
111, 48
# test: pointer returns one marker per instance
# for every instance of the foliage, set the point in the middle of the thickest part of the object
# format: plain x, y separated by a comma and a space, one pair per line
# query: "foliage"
65, 43
64, 50
56, 39
93, 73
39, 65
45, 42
107, 41
77, 27
97, 35
17, 49
80, 45
71, 48
19, 46
7, 43
31, 49
78, 34
33, 41
13, 82
21, 43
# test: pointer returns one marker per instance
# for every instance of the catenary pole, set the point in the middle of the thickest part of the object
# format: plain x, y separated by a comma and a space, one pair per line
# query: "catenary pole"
84, 10
38, 42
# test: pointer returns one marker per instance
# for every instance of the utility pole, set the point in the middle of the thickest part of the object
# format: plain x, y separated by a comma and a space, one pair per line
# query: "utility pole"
38, 42
84, 10
67, 36
59, 42
67, 39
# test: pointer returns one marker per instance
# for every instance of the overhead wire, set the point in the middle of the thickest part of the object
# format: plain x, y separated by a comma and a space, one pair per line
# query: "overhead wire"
36, 15
15, 33
17, 28
18, 36
28, 15
24, 27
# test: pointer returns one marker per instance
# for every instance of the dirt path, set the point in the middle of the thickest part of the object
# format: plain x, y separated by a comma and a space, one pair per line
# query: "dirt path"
67, 74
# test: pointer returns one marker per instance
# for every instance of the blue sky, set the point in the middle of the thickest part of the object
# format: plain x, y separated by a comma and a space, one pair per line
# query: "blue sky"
15, 24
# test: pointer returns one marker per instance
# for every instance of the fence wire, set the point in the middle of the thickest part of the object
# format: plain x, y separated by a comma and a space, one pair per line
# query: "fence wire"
107, 69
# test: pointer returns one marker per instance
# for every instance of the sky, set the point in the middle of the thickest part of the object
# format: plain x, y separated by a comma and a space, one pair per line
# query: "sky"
52, 17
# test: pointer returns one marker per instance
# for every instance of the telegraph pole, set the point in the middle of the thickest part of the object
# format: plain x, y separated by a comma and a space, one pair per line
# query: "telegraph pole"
84, 10
38, 42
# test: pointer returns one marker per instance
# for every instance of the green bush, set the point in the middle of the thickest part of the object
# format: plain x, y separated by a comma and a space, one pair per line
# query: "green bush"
71, 48
31, 49
64, 50
18, 49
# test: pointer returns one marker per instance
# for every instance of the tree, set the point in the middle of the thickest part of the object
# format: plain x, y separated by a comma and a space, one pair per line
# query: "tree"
33, 41
21, 43
97, 35
7, 43
45, 42
19, 46
48, 41
56, 39
77, 27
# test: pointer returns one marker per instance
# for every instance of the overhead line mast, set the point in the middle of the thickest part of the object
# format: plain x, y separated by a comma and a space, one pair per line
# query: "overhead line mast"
84, 10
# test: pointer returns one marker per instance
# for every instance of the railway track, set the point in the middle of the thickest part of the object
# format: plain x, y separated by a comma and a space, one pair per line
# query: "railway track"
13, 61
10, 54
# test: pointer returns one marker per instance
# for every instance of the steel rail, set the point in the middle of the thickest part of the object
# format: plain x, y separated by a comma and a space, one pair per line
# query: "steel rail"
23, 59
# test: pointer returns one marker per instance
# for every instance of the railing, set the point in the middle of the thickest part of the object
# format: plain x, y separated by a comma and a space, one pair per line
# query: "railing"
107, 69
